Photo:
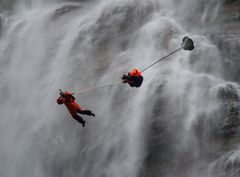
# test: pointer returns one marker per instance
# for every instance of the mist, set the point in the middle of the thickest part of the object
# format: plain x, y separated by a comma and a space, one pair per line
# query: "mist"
183, 121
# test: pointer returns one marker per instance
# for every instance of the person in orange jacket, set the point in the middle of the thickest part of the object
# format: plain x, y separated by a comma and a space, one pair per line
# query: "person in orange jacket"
134, 78
68, 100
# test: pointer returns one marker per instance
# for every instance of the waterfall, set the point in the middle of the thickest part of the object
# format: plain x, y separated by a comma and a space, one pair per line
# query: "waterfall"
181, 122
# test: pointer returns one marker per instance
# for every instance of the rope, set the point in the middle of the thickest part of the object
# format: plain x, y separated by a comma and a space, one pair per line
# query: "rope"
160, 59
96, 87
118, 82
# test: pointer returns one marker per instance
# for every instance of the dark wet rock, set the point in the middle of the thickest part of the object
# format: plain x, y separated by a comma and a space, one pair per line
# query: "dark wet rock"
64, 10
230, 1
226, 36
122, 19
160, 155
214, 133
228, 93
231, 123
112, 30
228, 43
227, 164
7, 4
230, 109
1, 24
78, 0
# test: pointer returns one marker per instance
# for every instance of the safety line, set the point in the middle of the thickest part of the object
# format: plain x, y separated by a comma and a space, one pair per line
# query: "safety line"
118, 82
96, 87
160, 59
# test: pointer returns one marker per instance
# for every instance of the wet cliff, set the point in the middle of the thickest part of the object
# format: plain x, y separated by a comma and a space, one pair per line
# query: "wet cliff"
183, 121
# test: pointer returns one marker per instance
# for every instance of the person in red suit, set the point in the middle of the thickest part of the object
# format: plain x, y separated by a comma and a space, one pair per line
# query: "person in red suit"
134, 78
74, 109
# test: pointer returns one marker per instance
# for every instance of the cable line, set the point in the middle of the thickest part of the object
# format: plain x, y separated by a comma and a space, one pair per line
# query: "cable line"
160, 60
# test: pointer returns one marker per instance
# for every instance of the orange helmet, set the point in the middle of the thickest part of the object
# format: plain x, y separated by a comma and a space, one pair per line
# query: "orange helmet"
135, 72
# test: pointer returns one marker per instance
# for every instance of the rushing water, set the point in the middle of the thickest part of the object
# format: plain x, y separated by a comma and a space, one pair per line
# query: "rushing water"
170, 127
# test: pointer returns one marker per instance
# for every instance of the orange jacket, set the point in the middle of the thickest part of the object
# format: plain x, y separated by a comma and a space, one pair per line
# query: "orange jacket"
135, 72
69, 101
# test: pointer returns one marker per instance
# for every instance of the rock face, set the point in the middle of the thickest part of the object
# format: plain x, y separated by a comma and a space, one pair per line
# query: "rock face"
64, 10
230, 108
230, 1
227, 38
219, 130
1, 21
179, 124
6, 4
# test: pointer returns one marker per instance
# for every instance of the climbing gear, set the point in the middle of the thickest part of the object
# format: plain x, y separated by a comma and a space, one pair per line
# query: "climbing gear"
134, 78
160, 60
96, 87
187, 44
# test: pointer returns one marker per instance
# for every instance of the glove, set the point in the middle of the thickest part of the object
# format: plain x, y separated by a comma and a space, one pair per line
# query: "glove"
124, 77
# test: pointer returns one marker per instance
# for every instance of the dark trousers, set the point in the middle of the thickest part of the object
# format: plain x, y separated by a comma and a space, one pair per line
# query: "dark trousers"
79, 118
135, 81
85, 112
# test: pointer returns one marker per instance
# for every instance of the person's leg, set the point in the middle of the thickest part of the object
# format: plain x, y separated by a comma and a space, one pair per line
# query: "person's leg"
138, 81
86, 112
131, 84
79, 119
131, 81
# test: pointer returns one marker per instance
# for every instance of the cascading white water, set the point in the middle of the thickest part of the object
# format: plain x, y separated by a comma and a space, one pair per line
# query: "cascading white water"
47, 45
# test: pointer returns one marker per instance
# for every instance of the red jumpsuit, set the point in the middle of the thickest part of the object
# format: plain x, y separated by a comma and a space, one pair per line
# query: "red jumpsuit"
135, 72
69, 101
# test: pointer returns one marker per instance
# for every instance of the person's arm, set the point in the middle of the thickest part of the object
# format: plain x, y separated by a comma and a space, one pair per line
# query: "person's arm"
126, 78
60, 100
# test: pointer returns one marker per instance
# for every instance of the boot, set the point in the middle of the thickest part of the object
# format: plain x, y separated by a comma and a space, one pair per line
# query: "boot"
92, 114
83, 123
